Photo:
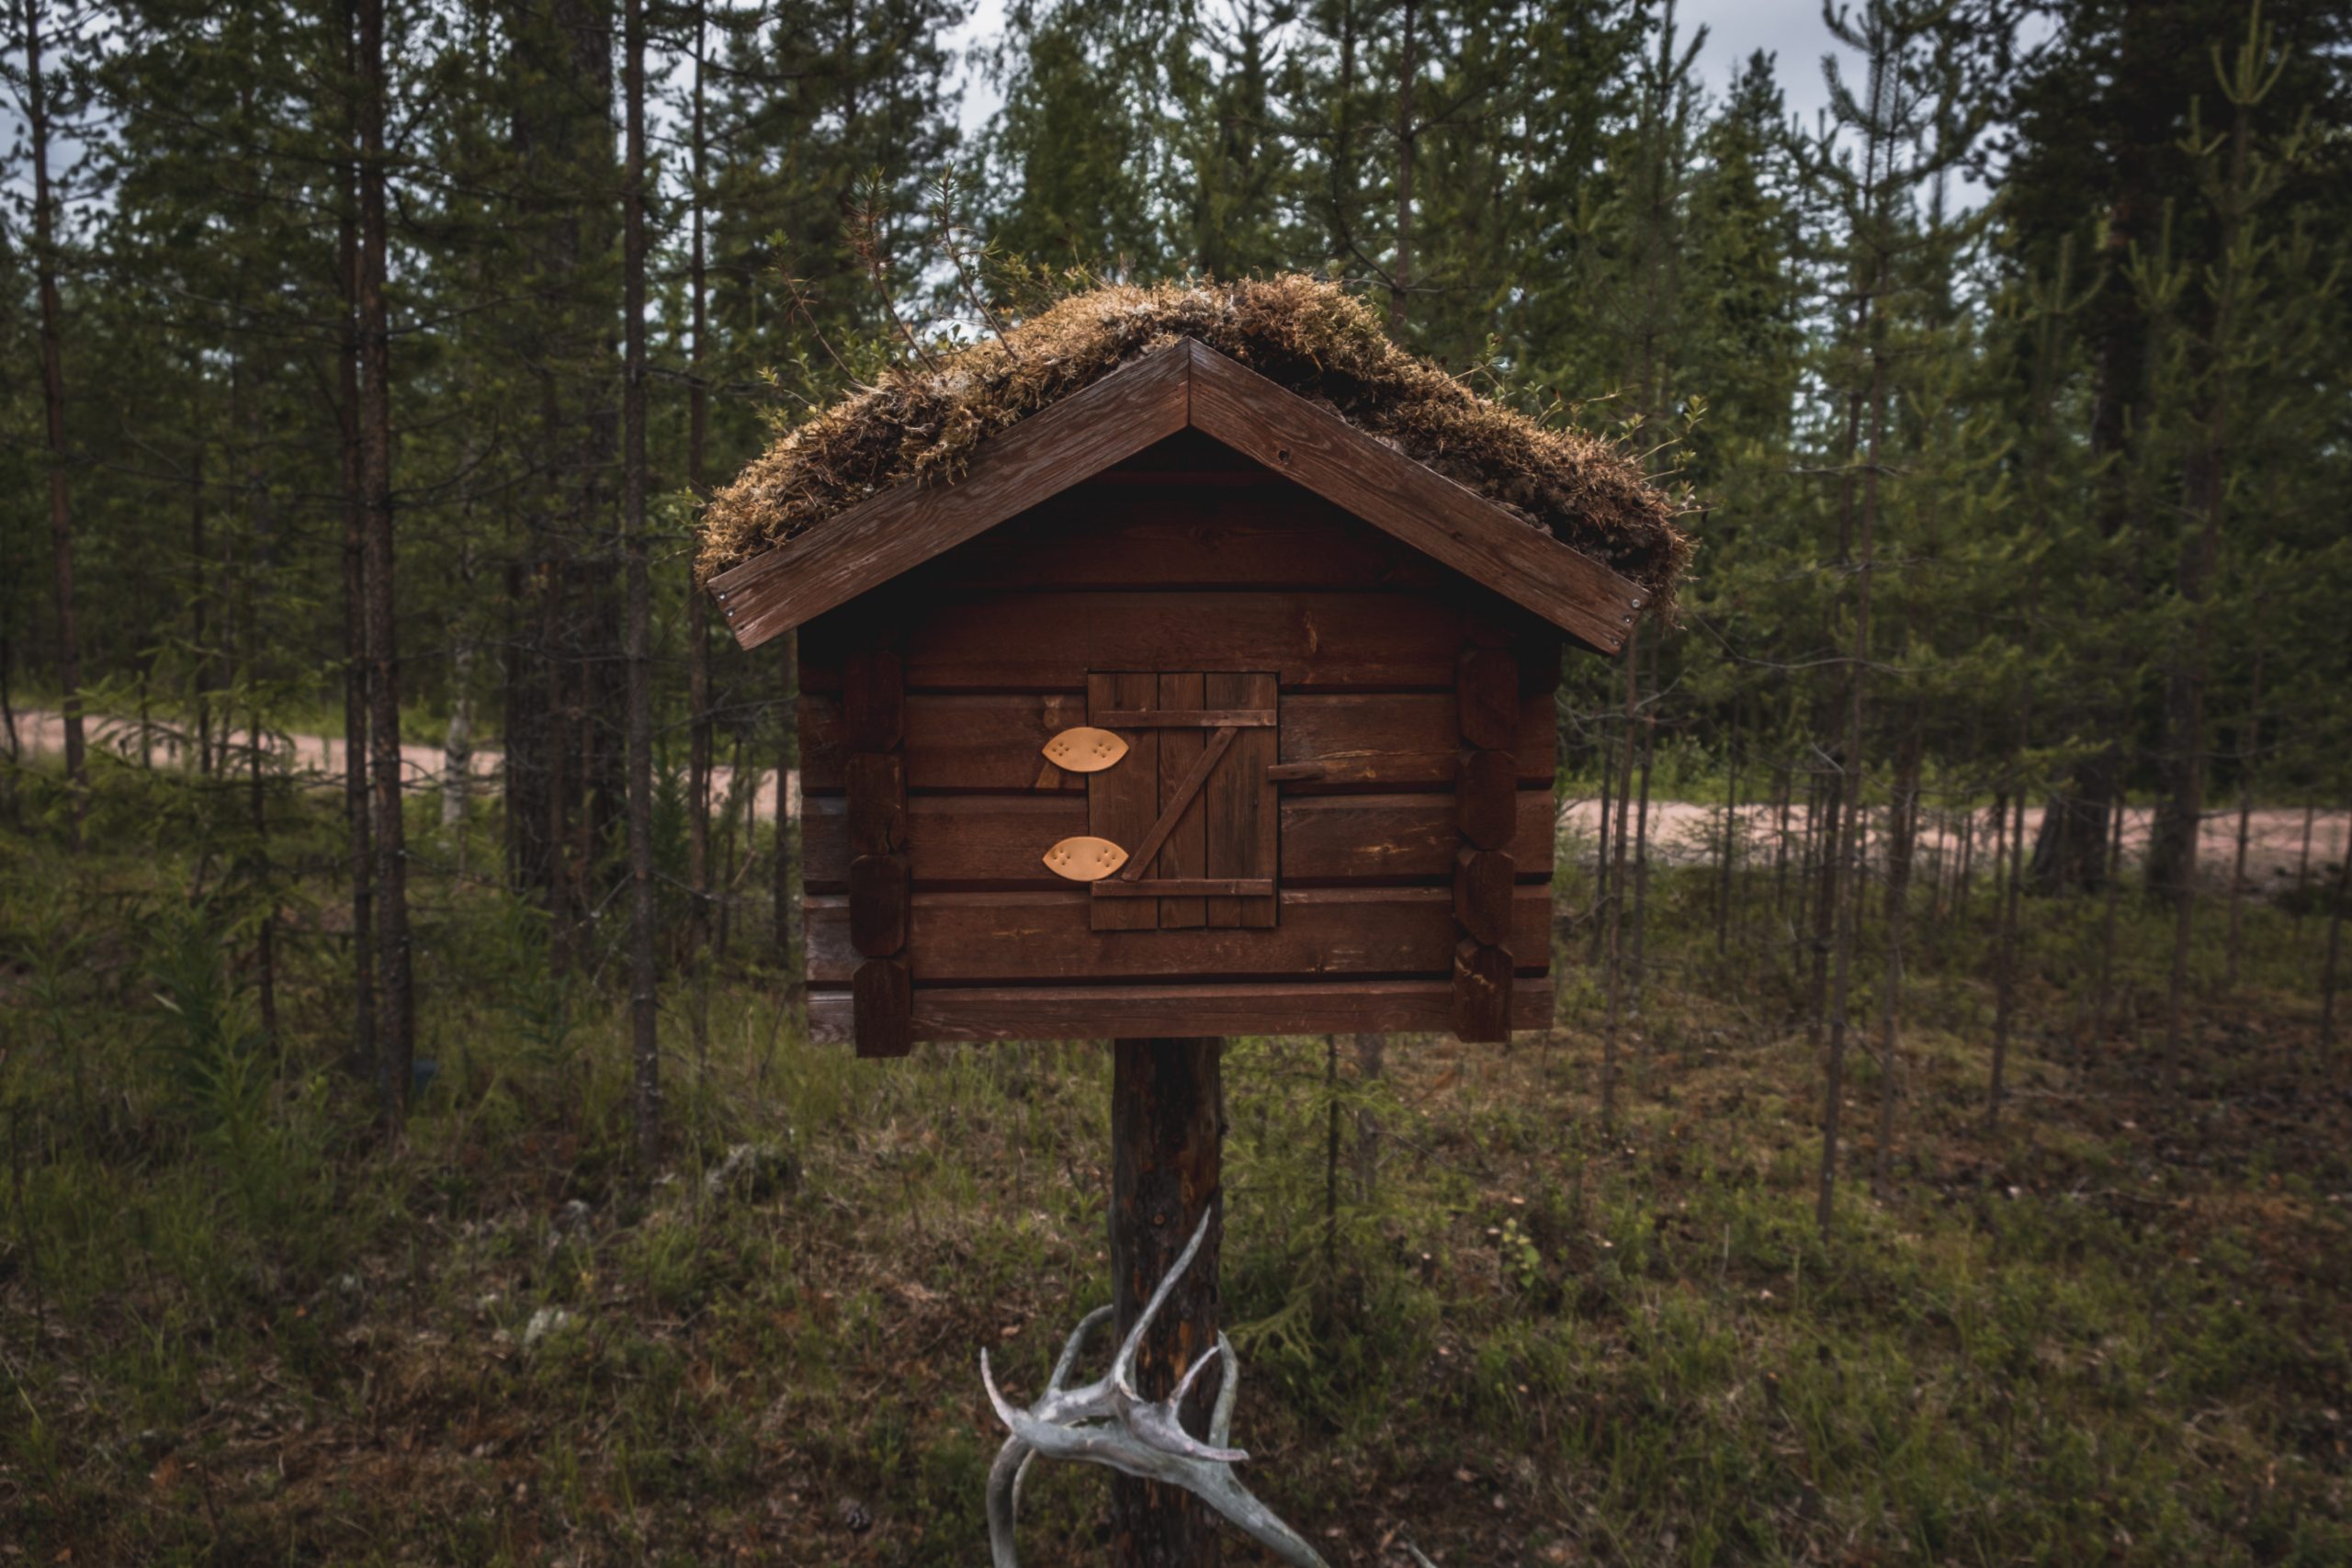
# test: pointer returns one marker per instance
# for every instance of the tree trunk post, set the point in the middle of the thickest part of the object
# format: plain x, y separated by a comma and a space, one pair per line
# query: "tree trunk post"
1167, 1148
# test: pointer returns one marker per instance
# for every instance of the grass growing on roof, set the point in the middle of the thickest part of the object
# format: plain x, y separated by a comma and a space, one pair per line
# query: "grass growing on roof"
922, 422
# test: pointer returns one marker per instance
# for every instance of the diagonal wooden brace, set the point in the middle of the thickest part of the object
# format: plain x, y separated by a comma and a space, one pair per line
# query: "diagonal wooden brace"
1169, 814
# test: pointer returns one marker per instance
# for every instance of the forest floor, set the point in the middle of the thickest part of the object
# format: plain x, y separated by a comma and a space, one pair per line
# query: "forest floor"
2113, 1328
2283, 846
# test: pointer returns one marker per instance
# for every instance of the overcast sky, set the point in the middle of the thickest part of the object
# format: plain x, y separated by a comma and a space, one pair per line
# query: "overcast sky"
1735, 29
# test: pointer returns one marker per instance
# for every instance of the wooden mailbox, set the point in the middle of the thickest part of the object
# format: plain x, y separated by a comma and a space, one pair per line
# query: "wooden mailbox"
1190, 709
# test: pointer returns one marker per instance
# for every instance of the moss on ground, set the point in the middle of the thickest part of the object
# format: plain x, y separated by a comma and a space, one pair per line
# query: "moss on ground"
237, 1328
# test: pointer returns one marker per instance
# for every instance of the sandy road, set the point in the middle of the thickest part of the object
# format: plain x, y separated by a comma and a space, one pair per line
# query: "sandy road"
1680, 832
322, 756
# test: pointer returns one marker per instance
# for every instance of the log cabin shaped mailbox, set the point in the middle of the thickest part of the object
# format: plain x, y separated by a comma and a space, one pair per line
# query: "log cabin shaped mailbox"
1188, 708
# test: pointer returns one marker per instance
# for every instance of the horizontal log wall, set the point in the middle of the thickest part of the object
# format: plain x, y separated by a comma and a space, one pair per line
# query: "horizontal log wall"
972, 937
1129, 1011
994, 842
1150, 569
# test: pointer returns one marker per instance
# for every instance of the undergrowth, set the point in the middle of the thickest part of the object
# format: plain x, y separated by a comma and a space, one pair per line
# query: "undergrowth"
238, 1326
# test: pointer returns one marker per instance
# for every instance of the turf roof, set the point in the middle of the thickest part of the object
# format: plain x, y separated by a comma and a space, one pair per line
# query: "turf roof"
922, 423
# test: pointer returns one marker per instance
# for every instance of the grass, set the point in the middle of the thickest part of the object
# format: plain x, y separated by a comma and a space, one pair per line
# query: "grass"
237, 1327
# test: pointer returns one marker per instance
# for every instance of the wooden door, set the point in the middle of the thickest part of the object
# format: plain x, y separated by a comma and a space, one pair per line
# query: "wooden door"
1190, 804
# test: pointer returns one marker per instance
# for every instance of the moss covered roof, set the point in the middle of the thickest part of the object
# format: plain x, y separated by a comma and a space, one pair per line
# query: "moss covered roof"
923, 422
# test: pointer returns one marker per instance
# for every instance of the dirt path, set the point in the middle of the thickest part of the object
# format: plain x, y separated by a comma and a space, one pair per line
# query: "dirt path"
1681, 832
322, 757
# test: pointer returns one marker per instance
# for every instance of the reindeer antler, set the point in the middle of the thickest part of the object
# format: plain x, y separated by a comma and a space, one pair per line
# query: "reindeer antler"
1107, 1422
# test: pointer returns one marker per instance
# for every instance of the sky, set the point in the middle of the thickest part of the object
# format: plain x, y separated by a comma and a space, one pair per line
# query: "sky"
1735, 29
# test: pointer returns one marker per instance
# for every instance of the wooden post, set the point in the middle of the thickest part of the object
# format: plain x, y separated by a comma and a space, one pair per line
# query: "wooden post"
1166, 1147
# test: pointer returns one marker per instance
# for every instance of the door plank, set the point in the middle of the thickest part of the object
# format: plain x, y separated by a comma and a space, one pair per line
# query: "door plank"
1186, 853
1242, 813
1122, 799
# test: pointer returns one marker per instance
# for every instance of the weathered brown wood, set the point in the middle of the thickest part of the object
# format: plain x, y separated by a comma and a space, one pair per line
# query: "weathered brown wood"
1037, 642
1482, 993
1241, 803
1406, 738
1417, 504
1487, 697
1397, 838
879, 896
882, 1008
876, 792
873, 700
1260, 531
1122, 801
1046, 935
1176, 799
1187, 719
1484, 882
1296, 773
1166, 1143
980, 743
992, 741
882, 537
970, 1013
1486, 798
1185, 853
1189, 887
995, 840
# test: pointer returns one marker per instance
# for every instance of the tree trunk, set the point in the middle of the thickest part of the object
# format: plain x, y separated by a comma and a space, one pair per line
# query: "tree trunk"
568, 781
357, 831
1641, 910
2180, 804
2246, 755
787, 831
2005, 1005
1167, 1145
1841, 886
1731, 828
1780, 841
1327, 1299
1903, 813
398, 1022
8, 719
645, 1100
2070, 848
1400, 276
265, 873
699, 734
2108, 918
1828, 838
457, 746
1369, 1048
2337, 908
1613, 915
53, 395
2303, 864
199, 593
1603, 841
